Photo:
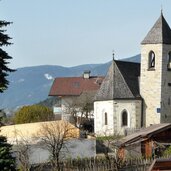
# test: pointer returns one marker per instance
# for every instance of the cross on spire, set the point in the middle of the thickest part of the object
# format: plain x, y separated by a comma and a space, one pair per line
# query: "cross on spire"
113, 53
161, 9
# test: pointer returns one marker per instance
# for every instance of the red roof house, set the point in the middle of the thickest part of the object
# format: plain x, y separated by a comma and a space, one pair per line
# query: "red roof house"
75, 91
75, 86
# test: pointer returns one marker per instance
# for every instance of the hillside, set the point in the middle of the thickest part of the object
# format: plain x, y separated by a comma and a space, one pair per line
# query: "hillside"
31, 85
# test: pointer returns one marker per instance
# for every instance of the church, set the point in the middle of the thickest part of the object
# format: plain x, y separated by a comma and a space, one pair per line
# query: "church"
134, 95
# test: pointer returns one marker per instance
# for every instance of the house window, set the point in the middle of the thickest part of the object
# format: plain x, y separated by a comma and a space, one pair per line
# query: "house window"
105, 118
151, 60
124, 118
169, 61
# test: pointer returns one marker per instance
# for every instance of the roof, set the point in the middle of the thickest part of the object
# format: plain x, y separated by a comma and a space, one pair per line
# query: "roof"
74, 86
121, 81
144, 133
159, 33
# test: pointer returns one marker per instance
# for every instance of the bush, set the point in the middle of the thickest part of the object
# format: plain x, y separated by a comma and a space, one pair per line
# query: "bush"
167, 152
34, 113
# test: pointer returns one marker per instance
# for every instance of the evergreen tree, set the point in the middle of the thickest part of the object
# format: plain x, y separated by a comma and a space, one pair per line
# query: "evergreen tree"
4, 69
7, 161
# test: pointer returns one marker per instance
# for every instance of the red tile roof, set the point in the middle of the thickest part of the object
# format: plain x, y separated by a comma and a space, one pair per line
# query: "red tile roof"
74, 86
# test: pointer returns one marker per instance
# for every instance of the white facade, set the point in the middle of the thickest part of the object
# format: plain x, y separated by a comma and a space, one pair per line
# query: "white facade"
114, 109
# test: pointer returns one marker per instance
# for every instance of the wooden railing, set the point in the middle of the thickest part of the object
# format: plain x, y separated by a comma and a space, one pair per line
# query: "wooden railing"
98, 164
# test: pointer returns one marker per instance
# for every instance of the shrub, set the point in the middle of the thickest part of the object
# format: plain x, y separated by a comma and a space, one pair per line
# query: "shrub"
34, 113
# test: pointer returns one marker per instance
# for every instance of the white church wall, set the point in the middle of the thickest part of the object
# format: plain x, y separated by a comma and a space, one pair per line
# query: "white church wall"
133, 109
114, 111
100, 108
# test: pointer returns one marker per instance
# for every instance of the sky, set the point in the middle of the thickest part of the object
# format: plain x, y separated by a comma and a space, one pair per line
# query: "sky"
75, 32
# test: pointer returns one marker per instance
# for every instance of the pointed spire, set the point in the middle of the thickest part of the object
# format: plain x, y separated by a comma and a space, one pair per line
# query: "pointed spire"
113, 53
161, 9
160, 33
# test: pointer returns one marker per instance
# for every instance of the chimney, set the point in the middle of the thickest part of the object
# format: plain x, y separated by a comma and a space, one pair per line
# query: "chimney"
86, 74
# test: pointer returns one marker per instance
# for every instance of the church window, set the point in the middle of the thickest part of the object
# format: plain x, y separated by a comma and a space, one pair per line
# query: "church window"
151, 60
124, 118
169, 61
169, 101
105, 118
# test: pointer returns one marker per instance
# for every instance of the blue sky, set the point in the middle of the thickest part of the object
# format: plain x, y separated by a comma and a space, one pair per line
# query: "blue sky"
74, 32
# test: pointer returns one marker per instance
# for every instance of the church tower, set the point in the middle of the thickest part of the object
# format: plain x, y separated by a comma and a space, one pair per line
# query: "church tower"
155, 79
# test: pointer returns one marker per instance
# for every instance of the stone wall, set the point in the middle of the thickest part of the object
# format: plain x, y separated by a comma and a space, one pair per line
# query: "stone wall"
166, 89
154, 85
150, 83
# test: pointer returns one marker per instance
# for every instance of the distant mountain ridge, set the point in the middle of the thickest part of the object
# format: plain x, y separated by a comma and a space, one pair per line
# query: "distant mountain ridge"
31, 85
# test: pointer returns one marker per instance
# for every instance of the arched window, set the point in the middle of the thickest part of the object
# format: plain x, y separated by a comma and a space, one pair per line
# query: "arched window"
169, 61
105, 118
151, 59
124, 118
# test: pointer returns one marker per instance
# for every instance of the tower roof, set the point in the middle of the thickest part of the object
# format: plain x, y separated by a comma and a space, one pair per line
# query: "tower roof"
160, 33
121, 82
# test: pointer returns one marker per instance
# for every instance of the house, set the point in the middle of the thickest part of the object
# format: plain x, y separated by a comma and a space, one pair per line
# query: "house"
133, 95
148, 142
75, 93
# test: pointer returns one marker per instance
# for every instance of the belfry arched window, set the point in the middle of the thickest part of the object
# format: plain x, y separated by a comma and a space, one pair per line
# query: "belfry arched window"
151, 60
169, 61
124, 118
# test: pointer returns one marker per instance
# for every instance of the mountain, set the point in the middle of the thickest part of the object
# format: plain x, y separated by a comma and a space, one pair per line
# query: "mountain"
31, 85
136, 59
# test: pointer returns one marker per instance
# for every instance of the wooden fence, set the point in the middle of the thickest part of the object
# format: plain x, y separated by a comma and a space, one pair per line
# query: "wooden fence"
99, 164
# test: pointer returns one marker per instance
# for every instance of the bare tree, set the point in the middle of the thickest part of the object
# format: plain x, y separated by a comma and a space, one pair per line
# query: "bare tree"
54, 136
23, 151
80, 107
110, 149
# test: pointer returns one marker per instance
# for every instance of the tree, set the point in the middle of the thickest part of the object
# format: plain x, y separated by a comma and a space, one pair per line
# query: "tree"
2, 117
23, 150
34, 113
107, 145
167, 151
54, 137
7, 161
4, 69
81, 108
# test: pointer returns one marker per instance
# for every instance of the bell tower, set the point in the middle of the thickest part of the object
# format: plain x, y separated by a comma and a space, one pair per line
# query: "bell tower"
155, 79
